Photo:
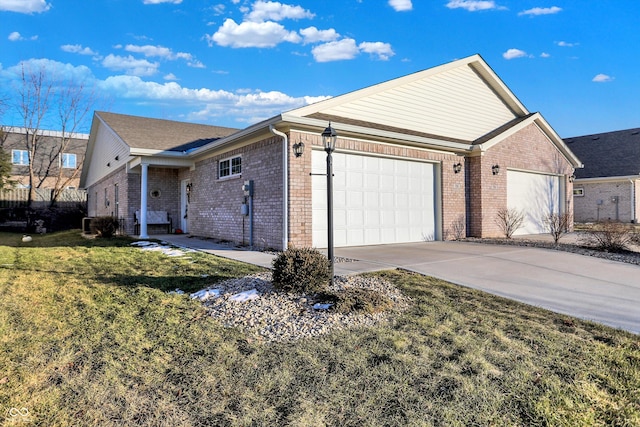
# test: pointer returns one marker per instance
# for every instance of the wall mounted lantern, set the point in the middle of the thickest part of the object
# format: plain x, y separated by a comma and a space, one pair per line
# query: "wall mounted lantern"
457, 167
298, 149
495, 169
572, 178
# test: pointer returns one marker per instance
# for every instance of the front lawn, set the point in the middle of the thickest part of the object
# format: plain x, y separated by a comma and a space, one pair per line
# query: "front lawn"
89, 336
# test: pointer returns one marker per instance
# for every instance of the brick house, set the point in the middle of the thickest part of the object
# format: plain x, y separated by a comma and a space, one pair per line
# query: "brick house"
425, 156
54, 165
608, 188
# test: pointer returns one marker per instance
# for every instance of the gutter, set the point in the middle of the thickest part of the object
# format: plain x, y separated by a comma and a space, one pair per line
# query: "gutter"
285, 185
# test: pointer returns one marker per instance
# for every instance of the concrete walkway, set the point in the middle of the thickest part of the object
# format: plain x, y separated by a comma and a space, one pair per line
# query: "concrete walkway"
590, 288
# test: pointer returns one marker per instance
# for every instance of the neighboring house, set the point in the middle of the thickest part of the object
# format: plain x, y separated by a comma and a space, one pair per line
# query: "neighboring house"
608, 188
416, 158
54, 168
50, 160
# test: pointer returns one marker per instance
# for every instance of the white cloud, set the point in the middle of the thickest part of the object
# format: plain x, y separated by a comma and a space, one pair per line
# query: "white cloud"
566, 44
15, 36
313, 35
275, 11
473, 5
161, 1
170, 77
401, 5
541, 11
252, 34
336, 51
514, 53
76, 48
382, 50
602, 78
545, 55
53, 69
24, 6
130, 65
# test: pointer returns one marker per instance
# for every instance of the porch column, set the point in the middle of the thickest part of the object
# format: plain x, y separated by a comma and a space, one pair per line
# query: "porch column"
143, 201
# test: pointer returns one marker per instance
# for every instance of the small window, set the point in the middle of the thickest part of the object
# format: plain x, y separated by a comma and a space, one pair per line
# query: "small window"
69, 161
230, 167
578, 192
20, 157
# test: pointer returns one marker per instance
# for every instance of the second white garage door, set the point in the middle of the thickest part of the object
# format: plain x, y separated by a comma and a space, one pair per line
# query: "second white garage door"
376, 200
537, 195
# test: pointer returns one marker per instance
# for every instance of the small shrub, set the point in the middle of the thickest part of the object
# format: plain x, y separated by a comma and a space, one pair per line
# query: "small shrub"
458, 229
559, 224
509, 220
104, 226
610, 236
303, 270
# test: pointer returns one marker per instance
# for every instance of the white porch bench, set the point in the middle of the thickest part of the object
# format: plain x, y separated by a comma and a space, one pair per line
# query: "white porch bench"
153, 218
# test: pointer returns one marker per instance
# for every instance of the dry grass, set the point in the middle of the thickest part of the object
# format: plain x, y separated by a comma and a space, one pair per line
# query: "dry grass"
89, 337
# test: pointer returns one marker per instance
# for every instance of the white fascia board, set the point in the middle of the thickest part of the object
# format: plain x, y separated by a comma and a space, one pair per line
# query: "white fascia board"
159, 162
380, 134
606, 179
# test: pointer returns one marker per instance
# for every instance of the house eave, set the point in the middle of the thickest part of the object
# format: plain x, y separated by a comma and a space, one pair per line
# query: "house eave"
606, 179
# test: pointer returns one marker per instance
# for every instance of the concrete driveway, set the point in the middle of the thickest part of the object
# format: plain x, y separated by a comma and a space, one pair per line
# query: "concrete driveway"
590, 288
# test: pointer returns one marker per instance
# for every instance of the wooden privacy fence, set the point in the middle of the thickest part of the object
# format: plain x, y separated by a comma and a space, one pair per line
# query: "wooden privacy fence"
17, 197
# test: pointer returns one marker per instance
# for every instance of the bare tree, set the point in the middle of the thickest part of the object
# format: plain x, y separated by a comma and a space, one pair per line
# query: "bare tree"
509, 220
559, 224
44, 99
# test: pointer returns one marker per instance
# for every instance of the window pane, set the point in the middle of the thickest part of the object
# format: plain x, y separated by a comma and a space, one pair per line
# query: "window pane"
224, 168
236, 165
20, 157
68, 160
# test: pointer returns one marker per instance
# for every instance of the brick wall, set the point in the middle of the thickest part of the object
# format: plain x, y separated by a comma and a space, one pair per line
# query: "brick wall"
214, 210
529, 150
598, 203
452, 196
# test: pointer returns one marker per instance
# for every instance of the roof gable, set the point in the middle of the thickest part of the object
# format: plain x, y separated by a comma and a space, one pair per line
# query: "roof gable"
462, 100
607, 154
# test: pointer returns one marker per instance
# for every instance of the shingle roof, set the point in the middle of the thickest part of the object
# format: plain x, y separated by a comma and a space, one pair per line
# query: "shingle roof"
607, 154
158, 134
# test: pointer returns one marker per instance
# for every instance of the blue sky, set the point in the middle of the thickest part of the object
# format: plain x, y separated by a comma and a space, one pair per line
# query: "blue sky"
236, 62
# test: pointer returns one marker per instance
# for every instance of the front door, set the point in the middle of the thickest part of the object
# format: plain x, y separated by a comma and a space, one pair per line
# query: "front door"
185, 189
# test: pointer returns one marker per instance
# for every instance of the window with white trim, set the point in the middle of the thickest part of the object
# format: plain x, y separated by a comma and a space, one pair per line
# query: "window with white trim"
578, 192
68, 161
230, 167
20, 157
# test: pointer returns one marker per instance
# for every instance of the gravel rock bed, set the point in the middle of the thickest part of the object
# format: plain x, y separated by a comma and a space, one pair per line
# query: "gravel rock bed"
281, 316
630, 257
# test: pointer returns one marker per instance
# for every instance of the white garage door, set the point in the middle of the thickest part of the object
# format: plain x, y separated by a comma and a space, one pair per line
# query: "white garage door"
536, 195
375, 200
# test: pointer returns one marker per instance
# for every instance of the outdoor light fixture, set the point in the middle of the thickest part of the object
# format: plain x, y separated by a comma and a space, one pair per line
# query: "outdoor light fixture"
329, 137
572, 178
298, 149
457, 168
495, 169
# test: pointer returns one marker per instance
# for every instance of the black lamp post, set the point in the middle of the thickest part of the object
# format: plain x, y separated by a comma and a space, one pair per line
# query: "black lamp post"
329, 137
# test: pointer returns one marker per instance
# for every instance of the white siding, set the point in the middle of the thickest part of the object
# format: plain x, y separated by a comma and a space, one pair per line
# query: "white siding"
106, 148
455, 103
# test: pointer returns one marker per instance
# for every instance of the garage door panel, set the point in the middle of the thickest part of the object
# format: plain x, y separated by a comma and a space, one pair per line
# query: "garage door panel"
536, 195
379, 200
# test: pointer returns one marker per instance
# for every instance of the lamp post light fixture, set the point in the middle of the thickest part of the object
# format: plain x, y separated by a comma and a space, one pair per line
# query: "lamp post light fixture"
329, 137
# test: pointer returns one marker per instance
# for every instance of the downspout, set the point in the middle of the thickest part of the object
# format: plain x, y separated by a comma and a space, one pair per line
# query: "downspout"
285, 186
633, 201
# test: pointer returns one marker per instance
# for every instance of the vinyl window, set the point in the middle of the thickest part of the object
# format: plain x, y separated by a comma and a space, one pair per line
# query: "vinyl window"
230, 167
20, 157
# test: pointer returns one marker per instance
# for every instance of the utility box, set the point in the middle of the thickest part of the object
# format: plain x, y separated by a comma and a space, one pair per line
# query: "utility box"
247, 187
244, 209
